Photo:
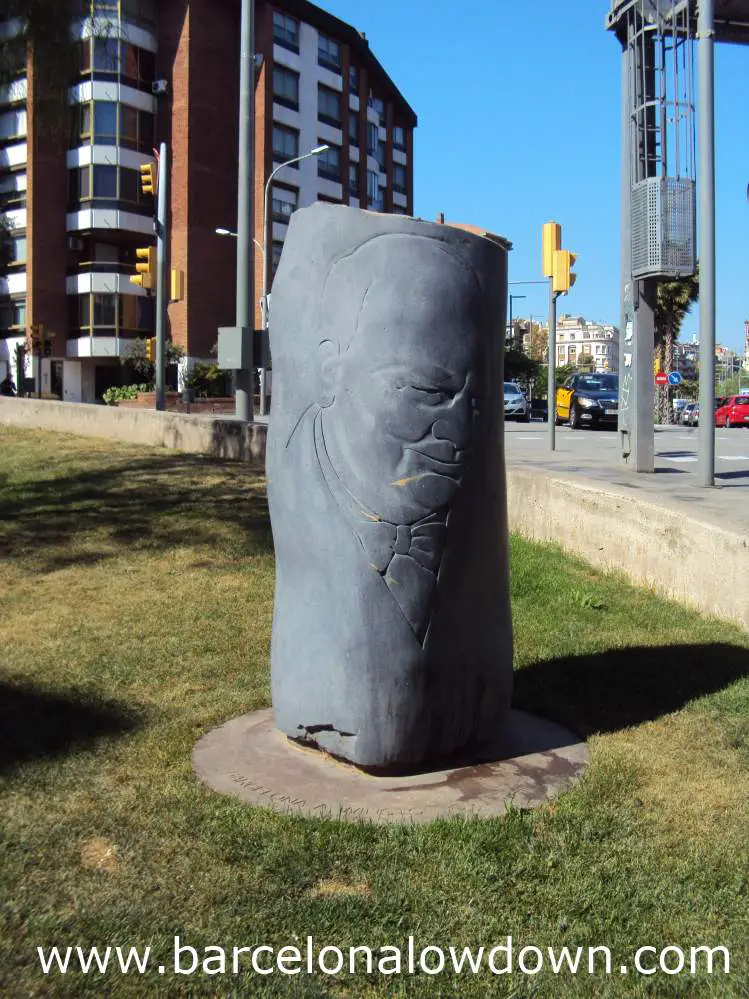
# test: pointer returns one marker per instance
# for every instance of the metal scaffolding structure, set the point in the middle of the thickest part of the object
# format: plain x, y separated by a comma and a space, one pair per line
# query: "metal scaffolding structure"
659, 185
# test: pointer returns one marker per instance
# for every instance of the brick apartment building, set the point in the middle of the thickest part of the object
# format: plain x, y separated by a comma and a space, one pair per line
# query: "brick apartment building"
71, 196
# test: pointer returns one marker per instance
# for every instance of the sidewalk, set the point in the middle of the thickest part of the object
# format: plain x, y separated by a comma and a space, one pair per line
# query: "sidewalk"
662, 530
595, 455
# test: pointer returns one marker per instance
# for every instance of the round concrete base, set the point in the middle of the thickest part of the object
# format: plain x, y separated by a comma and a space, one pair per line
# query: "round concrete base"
250, 759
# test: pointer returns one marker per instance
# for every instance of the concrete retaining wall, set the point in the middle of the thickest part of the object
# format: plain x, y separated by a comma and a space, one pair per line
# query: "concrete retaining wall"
681, 557
220, 438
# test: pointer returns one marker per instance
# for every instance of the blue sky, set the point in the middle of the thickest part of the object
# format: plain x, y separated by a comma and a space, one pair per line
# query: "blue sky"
519, 123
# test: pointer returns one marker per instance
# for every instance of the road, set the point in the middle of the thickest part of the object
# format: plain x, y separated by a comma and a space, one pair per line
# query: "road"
595, 454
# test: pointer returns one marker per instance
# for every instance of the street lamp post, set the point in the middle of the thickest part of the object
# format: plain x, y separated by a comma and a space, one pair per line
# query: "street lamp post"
267, 259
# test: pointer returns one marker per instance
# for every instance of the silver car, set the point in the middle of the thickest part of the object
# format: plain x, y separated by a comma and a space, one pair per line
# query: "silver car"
516, 404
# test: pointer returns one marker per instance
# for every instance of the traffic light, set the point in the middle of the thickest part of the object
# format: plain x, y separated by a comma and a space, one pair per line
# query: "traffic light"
551, 241
562, 277
148, 178
151, 349
146, 267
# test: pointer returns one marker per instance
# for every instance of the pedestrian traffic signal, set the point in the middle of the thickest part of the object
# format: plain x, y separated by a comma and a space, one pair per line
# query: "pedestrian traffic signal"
551, 240
148, 178
151, 349
562, 277
146, 267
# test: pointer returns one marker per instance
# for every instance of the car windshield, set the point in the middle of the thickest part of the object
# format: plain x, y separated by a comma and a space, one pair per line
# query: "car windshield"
598, 383
512, 389
742, 400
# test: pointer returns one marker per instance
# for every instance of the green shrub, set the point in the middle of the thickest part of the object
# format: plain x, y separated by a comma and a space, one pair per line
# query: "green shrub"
117, 393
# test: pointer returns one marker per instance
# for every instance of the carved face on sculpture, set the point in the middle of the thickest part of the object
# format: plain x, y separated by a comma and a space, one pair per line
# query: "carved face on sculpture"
397, 375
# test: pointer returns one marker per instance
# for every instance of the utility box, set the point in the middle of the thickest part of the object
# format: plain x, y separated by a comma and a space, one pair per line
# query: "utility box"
663, 228
240, 349
235, 348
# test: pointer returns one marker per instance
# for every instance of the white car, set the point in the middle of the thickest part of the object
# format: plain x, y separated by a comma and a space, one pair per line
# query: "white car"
516, 404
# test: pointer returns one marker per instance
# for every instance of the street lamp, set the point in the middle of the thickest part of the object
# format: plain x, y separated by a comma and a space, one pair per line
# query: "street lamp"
230, 232
267, 256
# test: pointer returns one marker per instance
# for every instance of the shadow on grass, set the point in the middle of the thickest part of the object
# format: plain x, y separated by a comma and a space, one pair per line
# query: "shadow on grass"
609, 691
35, 724
158, 502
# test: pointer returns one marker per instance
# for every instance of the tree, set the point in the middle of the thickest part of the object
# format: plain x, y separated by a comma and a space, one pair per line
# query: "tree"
673, 301
44, 32
586, 362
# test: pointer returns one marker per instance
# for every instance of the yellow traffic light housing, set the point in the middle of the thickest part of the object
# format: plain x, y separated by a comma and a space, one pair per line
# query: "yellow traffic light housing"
148, 178
151, 349
551, 241
145, 266
562, 277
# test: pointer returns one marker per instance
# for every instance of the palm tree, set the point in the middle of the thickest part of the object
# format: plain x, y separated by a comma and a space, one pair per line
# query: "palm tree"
673, 301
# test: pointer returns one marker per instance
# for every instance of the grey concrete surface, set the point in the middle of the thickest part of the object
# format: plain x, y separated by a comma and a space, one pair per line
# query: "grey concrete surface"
392, 641
529, 761
662, 530
594, 455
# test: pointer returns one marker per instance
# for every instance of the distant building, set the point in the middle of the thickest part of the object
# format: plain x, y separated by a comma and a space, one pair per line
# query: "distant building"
576, 338
168, 70
746, 345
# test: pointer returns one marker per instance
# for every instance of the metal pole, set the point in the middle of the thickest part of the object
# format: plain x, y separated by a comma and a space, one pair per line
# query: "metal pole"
705, 34
552, 366
162, 260
245, 275
267, 257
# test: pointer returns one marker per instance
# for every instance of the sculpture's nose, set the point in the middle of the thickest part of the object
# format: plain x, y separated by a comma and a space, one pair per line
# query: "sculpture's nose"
455, 422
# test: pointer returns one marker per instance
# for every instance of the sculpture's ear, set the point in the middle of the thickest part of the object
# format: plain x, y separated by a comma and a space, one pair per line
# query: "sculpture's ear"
329, 366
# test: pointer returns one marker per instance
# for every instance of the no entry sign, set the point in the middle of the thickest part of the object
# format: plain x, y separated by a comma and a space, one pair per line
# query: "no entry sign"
661, 378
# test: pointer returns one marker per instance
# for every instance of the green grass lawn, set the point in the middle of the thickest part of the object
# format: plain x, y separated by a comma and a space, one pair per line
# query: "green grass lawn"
135, 612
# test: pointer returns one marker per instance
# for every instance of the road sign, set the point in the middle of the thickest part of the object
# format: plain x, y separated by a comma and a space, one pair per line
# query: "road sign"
661, 378
674, 378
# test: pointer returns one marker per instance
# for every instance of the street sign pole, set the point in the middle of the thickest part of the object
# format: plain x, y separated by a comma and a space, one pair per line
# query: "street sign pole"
552, 366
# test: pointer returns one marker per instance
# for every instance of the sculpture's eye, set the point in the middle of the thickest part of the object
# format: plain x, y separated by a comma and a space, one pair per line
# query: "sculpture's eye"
431, 396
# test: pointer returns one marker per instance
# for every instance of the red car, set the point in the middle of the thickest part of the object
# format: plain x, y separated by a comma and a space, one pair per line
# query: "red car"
734, 412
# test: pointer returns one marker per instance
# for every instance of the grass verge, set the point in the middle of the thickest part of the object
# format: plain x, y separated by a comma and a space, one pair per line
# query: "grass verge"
136, 599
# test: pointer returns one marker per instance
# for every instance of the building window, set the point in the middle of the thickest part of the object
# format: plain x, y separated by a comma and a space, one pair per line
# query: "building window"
113, 124
139, 12
286, 87
17, 249
353, 128
353, 179
381, 152
109, 183
375, 193
12, 125
105, 182
112, 57
285, 143
353, 79
328, 53
284, 202
399, 178
328, 106
378, 105
373, 138
275, 259
286, 30
329, 162
399, 210
110, 314
106, 55
13, 314
399, 137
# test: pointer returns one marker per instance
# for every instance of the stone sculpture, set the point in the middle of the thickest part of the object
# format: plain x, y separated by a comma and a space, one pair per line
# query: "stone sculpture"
392, 643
